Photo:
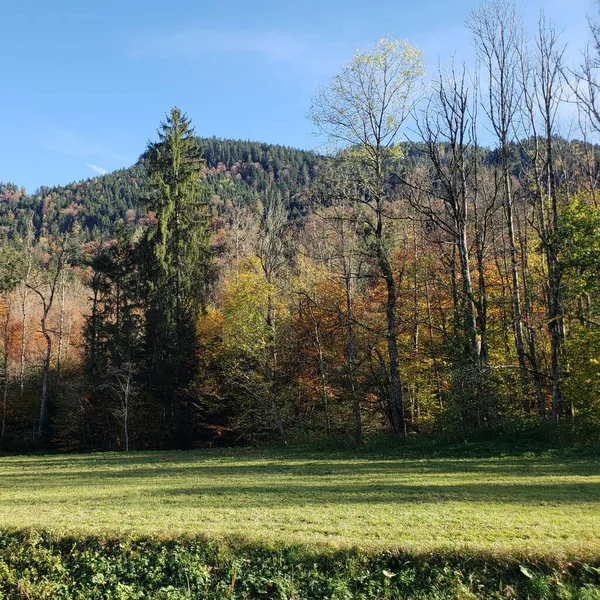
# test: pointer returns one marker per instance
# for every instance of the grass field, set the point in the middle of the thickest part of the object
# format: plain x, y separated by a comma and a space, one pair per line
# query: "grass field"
525, 505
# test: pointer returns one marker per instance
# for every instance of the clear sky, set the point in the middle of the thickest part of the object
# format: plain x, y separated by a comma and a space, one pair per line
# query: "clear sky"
86, 83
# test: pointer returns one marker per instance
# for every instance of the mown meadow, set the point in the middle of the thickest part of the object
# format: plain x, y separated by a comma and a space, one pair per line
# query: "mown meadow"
273, 524
530, 505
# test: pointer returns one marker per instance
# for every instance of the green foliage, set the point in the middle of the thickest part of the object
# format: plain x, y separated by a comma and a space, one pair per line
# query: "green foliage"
582, 385
175, 168
176, 265
11, 268
177, 256
115, 327
234, 350
43, 566
579, 247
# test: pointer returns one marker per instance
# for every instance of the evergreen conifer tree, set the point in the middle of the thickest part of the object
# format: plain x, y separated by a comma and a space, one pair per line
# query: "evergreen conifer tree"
178, 267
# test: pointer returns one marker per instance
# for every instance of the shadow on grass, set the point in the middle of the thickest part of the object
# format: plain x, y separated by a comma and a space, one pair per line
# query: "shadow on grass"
296, 483
236, 496
285, 495
136, 466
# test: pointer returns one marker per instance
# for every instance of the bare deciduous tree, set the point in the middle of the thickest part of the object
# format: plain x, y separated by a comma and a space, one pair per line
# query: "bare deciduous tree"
542, 84
498, 38
45, 283
121, 382
451, 149
361, 112
270, 251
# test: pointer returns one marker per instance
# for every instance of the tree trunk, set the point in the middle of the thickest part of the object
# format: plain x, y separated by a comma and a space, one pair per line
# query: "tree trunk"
45, 376
351, 355
531, 337
321, 370
61, 323
23, 330
5, 365
482, 308
555, 319
467, 287
126, 413
272, 367
514, 269
436, 369
395, 396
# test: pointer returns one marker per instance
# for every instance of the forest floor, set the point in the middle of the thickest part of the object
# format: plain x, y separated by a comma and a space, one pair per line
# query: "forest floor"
544, 505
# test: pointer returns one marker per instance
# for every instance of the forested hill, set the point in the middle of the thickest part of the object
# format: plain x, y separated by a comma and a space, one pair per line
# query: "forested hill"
241, 172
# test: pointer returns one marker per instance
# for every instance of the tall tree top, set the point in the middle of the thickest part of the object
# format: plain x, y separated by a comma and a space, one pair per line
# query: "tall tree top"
366, 104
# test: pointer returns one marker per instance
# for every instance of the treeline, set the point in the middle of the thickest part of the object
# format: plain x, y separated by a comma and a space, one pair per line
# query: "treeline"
258, 293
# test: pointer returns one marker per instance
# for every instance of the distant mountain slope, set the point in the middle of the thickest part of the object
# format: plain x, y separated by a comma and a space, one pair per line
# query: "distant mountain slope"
240, 172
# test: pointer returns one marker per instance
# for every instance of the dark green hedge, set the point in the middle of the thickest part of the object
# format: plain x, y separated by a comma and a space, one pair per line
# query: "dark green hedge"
40, 565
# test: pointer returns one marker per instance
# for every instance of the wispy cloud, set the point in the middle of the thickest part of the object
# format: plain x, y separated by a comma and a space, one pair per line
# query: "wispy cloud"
66, 141
270, 46
96, 168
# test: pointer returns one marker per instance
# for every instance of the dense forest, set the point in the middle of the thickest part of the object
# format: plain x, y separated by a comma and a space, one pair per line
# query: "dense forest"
227, 292
235, 172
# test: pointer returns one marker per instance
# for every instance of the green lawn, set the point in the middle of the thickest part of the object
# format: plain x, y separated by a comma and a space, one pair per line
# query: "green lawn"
524, 505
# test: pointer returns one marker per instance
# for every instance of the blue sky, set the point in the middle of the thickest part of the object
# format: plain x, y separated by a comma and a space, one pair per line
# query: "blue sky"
85, 84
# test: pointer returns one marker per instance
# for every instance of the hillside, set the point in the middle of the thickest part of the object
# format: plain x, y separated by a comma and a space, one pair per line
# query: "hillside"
240, 172
237, 171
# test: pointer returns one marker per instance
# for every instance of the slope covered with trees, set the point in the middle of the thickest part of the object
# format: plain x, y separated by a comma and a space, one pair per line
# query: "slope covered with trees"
238, 172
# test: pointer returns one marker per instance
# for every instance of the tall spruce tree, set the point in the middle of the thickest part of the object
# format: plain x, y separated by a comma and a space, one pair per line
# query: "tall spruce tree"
177, 251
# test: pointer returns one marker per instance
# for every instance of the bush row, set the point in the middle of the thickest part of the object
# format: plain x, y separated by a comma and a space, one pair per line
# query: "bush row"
41, 565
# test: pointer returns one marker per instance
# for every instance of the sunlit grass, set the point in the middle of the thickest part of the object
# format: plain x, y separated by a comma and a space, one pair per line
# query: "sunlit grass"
539, 506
